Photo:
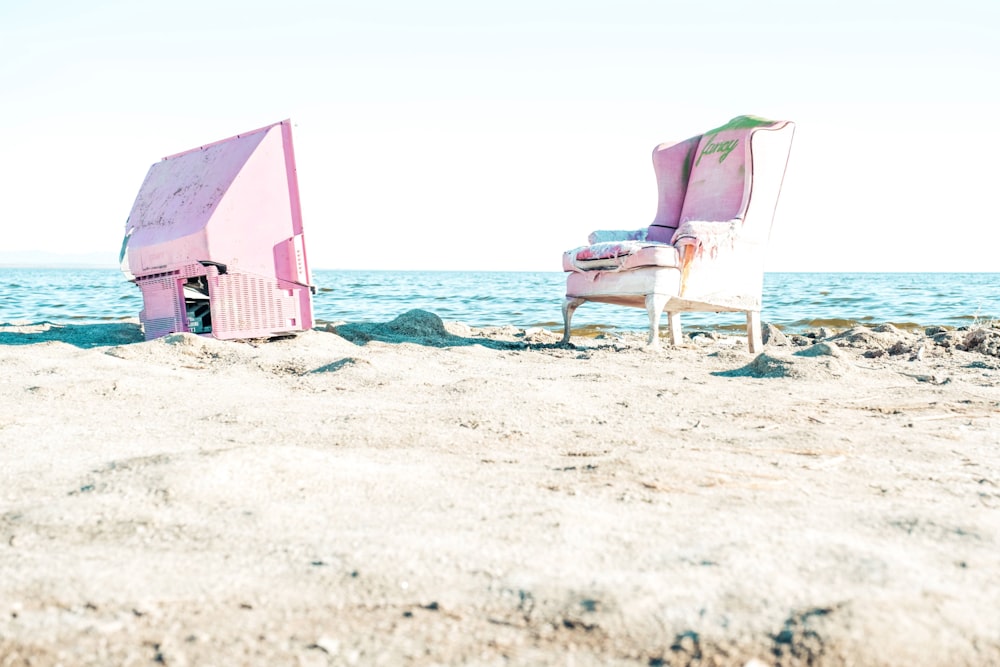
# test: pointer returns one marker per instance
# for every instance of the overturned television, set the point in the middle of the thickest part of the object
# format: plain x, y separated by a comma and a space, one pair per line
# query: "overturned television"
214, 241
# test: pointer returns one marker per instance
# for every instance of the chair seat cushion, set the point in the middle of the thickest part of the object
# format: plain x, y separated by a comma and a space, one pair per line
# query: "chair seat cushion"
620, 256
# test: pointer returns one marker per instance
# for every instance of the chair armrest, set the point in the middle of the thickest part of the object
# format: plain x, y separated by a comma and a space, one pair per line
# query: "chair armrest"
609, 235
710, 235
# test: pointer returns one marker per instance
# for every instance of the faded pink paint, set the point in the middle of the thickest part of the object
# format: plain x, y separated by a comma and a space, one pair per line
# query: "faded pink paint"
226, 214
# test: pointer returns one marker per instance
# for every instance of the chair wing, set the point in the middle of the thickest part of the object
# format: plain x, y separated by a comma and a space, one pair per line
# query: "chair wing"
717, 194
672, 165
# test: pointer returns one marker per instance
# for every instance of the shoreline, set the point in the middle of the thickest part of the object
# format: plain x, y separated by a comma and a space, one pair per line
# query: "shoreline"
420, 492
803, 334
793, 302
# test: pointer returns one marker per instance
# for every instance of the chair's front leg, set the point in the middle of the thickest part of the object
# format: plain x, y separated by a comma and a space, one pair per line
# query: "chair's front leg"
568, 307
755, 336
654, 306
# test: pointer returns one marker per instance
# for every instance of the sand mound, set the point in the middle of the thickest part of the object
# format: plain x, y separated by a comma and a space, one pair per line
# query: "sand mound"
884, 337
821, 349
882, 340
764, 366
984, 341
424, 328
309, 351
819, 361
413, 326
183, 348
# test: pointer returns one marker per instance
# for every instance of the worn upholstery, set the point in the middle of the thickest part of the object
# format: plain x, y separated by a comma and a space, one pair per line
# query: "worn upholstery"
704, 249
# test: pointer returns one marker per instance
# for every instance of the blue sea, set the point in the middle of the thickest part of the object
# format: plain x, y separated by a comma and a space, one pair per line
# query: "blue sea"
792, 301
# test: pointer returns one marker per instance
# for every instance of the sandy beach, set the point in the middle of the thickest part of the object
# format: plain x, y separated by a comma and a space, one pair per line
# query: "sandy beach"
425, 493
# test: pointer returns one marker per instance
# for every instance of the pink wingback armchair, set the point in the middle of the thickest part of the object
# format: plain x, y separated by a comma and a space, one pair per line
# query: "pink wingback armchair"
704, 250
214, 240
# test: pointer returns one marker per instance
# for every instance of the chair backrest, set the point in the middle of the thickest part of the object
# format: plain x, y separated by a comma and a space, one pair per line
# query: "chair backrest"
672, 165
726, 164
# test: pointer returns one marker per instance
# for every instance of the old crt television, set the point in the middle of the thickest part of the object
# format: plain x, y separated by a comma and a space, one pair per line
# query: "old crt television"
214, 241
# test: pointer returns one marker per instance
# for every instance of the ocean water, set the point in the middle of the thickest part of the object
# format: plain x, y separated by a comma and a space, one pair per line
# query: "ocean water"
791, 301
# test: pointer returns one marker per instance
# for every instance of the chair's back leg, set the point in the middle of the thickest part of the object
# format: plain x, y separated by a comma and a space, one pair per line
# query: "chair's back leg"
568, 307
755, 337
674, 320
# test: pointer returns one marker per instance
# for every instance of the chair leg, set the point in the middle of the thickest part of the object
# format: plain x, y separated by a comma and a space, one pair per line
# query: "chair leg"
569, 305
654, 307
674, 320
755, 337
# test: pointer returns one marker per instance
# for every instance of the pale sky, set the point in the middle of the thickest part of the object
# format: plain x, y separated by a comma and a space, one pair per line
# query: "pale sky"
494, 135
